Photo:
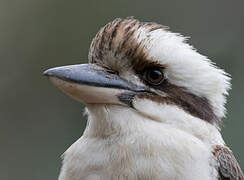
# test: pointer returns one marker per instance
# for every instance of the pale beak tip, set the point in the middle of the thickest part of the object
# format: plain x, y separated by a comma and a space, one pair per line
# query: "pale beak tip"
52, 72
46, 73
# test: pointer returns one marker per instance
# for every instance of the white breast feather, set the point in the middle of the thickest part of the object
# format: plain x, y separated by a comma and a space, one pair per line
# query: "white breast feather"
140, 148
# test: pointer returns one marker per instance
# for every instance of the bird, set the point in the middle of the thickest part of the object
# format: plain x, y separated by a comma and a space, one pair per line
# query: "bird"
154, 106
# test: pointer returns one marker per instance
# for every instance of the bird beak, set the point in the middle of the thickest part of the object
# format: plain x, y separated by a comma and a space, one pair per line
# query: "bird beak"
90, 83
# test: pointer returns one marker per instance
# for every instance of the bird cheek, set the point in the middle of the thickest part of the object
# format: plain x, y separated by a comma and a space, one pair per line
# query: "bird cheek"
147, 108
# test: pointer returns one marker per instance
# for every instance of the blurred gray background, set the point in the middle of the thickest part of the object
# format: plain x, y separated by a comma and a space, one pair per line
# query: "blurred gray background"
38, 122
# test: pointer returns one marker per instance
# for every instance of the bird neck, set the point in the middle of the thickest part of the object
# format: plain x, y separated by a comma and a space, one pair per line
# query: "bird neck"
111, 120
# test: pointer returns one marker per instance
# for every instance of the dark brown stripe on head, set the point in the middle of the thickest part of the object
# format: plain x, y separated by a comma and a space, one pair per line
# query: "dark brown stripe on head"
102, 43
151, 26
116, 23
119, 40
193, 104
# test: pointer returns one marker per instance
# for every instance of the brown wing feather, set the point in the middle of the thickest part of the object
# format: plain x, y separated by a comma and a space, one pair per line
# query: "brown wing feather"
227, 164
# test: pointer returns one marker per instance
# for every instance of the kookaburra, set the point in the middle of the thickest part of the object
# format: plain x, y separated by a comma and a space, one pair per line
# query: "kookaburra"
154, 107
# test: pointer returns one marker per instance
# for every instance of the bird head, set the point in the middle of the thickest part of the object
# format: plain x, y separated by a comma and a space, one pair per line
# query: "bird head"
144, 66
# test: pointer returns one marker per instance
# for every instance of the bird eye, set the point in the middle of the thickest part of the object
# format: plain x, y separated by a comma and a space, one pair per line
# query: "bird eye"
153, 76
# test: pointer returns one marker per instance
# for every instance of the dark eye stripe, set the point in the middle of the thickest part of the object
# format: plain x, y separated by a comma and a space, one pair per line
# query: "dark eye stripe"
193, 104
